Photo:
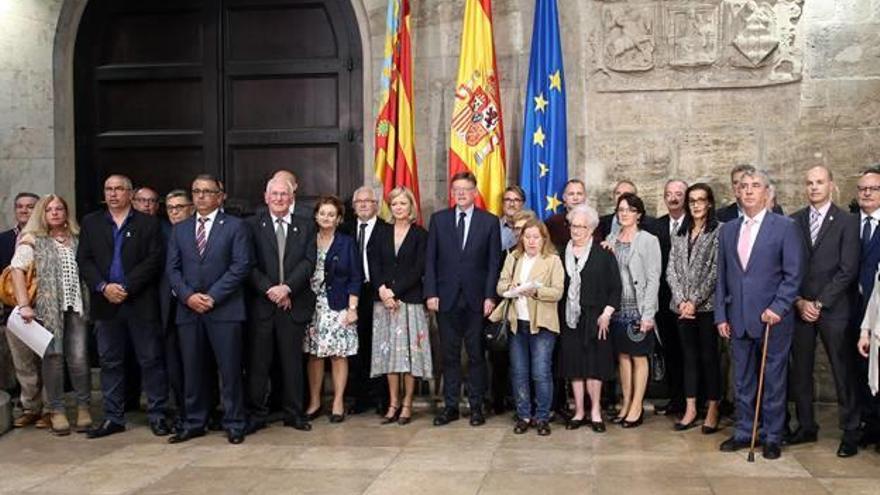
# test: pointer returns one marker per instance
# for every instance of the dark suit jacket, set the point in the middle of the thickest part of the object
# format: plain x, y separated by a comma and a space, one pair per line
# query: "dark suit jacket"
473, 271
731, 212
220, 273
7, 247
868, 262
771, 280
600, 286
831, 265
142, 257
380, 230
660, 228
299, 264
343, 275
401, 272
557, 225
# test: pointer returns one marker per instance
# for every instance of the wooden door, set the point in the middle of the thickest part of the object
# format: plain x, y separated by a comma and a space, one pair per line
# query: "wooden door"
167, 89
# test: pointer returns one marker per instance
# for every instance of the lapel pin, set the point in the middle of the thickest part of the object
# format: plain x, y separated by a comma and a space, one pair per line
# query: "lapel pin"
128, 234
220, 222
295, 229
264, 224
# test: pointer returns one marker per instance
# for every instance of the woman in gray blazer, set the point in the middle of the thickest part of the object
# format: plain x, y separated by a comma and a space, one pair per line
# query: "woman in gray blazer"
632, 328
691, 275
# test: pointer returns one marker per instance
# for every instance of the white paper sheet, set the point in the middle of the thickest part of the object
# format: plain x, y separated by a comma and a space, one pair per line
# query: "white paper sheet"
516, 292
32, 334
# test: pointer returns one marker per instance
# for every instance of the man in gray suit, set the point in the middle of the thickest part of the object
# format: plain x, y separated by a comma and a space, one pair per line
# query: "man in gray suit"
824, 302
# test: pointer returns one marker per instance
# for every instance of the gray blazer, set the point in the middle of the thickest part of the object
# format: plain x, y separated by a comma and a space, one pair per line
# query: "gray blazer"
693, 279
645, 264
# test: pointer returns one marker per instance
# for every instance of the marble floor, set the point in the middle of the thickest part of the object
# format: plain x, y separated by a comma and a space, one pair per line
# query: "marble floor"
361, 456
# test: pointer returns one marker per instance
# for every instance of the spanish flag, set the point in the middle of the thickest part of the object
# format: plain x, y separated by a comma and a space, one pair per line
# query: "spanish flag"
477, 143
395, 161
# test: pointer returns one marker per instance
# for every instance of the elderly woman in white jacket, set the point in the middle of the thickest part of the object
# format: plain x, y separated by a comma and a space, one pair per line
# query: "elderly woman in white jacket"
632, 328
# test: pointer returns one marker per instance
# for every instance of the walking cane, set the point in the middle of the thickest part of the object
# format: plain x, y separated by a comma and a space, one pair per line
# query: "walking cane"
760, 394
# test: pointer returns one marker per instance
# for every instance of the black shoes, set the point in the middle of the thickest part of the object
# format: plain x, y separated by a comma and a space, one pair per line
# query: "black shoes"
445, 417
598, 426
314, 414
521, 427
477, 418
684, 427
337, 418
633, 424
543, 428
772, 451
708, 430
404, 420
160, 427
849, 444
234, 437
107, 428
387, 420
732, 445
185, 436
801, 436
574, 424
300, 424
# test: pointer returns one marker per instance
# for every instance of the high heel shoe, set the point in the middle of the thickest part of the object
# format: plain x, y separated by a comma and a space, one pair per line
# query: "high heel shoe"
395, 413
634, 424
315, 414
617, 419
685, 426
404, 420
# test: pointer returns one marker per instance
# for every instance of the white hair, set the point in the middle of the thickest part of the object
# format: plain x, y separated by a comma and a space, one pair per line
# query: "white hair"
588, 212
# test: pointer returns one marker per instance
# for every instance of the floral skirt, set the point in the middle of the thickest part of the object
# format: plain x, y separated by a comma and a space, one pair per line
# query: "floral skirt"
328, 335
401, 341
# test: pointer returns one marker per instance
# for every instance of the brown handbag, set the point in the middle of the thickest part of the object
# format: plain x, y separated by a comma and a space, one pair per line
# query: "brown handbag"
7, 288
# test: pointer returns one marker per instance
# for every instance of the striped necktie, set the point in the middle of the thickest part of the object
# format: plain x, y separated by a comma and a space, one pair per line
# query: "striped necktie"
815, 224
202, 236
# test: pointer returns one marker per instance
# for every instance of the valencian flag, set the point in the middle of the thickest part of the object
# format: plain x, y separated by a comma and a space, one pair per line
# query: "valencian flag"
395, 124
477, 142
544, 149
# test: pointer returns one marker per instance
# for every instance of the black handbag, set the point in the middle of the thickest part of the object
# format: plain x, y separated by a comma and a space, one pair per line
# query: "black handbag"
495, 333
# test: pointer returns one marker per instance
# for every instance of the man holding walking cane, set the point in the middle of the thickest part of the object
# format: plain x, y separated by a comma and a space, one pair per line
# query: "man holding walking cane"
759, 274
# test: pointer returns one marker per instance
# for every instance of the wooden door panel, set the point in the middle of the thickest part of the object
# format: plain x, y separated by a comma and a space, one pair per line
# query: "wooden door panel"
150, 104
132, 38
287, 102
274, 32
162, 168
316, 166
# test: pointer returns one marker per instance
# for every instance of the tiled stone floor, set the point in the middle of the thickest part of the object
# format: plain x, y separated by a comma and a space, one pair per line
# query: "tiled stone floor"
361, 456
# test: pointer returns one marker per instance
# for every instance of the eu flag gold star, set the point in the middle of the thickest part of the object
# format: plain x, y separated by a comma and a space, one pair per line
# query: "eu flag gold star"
540, 103
543, 168
552, 203
538, 137
556, 81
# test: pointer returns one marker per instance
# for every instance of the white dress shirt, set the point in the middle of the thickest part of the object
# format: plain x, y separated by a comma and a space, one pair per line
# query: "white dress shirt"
371, 224
469, 214
875, 219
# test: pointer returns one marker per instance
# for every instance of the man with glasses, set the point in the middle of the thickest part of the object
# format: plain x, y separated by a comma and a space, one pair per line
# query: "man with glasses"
120, 260
18, 355
574, 193
368, 393
179, 208
146, 201
760, 269
513, 200
209, 258
461, 273
869, 218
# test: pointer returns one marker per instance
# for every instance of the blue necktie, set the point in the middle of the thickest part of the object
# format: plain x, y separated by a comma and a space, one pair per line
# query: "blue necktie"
866, 235
460, 230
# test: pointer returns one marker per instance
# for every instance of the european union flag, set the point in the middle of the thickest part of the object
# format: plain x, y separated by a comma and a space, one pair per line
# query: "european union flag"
544, 151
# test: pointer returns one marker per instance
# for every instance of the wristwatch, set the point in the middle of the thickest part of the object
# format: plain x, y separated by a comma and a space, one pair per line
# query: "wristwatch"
818, 305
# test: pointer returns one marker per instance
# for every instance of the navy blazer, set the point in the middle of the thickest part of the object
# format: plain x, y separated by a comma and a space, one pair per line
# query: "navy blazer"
472, 271
343, 275
771, 280
868, 262
220, 273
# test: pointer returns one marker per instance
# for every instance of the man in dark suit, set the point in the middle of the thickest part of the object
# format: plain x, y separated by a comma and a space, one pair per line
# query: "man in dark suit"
869, 219
667, 322
760, 260
120, 259
26, 364
831, 254
281, 304
735, 210
367, 228
461, 274
179, 208
608, 223
209, 258
574, 193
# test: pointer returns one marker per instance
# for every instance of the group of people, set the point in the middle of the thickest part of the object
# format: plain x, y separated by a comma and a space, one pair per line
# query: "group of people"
256, 307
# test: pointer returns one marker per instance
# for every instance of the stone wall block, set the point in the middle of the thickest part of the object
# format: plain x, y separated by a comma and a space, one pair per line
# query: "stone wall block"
843, 50
842, 103
709, 155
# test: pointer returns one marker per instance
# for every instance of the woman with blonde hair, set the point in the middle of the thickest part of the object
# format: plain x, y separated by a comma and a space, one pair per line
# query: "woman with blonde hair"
401, 340
49, 242
532, 279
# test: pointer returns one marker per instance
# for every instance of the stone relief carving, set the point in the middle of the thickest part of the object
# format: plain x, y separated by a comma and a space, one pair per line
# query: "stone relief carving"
691, 45
629, 37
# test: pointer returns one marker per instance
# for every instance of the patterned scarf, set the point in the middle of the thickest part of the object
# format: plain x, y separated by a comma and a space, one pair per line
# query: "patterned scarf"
573, 268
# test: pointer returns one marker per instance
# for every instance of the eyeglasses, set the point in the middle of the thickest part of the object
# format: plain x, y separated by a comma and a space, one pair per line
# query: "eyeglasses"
698, 201
118, 189
868, 189
197, 192
627, 210
150, 201
364, 201
176, 208
462, 189
279, 194
578, 227
512, 200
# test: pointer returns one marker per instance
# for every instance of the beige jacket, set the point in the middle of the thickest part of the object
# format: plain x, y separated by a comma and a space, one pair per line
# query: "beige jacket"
543, 312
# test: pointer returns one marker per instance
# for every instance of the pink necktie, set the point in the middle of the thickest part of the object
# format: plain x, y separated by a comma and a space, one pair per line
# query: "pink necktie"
742, 247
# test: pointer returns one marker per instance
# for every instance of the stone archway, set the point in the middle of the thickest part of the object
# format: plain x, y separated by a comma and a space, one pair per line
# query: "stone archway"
63, 82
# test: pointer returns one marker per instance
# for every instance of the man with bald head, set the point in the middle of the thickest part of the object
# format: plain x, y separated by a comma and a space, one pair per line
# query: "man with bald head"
831, 263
